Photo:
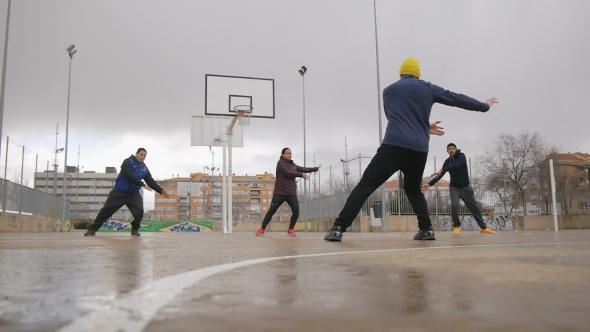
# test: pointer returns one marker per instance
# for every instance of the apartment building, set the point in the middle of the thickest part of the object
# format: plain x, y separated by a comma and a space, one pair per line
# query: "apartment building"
200, 193
572, 181
87, 191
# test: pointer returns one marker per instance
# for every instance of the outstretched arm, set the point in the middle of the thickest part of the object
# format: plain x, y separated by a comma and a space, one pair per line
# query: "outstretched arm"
449, 98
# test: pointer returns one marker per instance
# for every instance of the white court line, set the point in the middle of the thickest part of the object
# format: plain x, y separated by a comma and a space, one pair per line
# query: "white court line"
134, 310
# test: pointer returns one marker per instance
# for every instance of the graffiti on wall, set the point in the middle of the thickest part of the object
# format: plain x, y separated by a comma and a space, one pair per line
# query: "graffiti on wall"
159, 226
468, 223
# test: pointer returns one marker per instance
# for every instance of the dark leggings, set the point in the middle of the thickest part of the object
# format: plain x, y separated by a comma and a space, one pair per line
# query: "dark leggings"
276, 202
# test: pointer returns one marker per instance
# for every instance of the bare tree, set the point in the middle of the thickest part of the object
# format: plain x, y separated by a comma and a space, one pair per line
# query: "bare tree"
514, 159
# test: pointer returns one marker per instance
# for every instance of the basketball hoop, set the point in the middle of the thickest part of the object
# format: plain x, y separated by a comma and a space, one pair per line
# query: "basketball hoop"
243, 113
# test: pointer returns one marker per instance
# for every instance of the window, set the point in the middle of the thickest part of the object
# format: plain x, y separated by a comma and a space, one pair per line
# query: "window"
583, 205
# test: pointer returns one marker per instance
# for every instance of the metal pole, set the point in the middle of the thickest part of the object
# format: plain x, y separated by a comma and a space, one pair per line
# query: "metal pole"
2, 89
304, 160
36, 165
360, 166
224, 191
22, 163
383, 199
331, 193
55, 162
77, 180
346, 164
344, 174
504, 177
22, 166
5, 170
553, 200
435, 192
63, 210
47, 177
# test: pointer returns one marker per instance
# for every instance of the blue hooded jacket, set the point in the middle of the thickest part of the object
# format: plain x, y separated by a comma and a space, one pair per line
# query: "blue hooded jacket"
132, 172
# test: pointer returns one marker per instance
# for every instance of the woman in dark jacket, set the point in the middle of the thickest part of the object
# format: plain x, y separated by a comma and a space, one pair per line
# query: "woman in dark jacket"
286, 189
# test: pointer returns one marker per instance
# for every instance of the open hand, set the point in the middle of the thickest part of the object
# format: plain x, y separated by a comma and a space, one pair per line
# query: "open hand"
491, 101
435, 129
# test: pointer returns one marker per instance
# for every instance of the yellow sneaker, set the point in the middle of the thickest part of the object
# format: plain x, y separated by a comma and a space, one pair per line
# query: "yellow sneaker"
487, 231
456, 230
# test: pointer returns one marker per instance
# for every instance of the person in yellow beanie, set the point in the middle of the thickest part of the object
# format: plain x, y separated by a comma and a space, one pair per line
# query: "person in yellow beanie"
408, 103
410, 66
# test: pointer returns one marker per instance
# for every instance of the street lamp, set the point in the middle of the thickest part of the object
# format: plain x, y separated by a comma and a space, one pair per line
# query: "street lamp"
302, 72
382, 190
71, 52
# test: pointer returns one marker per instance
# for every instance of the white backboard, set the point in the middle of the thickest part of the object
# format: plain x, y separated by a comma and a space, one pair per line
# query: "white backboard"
222, 93
185, 188
209, 131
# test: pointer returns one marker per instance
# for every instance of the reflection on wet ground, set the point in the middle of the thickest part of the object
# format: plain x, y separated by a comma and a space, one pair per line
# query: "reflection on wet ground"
511, 281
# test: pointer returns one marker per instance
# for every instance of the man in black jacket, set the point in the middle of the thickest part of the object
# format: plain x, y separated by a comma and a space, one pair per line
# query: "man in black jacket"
456, 165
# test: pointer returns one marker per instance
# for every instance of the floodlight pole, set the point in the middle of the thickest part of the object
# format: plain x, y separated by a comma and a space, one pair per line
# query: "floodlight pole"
382, 192
71, 51
302, 72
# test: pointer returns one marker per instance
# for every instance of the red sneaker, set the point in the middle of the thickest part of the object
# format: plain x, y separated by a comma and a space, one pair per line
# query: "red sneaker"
260, 232
291, 232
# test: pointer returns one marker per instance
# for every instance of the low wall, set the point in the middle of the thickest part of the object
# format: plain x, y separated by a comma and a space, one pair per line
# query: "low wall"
13, 222
563, 222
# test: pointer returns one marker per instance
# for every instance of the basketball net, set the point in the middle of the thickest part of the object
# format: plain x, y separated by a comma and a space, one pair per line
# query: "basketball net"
243, 113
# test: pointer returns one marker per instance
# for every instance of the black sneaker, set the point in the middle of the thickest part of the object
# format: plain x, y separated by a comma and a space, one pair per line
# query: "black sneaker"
334, 235
425, 235
90, 232
135, 232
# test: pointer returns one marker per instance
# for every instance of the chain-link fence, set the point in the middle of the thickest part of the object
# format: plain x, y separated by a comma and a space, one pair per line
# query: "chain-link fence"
18, 165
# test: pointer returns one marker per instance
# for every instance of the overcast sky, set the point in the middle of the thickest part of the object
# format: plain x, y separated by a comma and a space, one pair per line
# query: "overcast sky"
139, 75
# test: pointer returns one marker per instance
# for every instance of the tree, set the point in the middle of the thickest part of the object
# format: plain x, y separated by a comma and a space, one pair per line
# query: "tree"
514, 159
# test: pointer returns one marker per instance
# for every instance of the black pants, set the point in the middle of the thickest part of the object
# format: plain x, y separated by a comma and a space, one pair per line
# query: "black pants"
114, 202
467, 195
276, 202
388, 160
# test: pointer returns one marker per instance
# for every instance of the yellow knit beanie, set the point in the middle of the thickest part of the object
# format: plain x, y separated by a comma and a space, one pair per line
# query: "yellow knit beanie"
410, 66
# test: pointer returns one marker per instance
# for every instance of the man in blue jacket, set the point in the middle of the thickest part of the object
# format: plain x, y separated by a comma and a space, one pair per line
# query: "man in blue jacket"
126, 192
460, 188
407, 104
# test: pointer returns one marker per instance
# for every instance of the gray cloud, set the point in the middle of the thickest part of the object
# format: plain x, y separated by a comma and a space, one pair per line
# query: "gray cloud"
140, 70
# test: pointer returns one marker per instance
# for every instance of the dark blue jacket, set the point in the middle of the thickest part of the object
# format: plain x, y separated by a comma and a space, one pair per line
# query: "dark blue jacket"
408, 103
132, 172
457, 168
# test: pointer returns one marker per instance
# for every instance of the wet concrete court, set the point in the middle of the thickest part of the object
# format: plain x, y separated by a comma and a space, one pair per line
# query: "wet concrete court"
511, 281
